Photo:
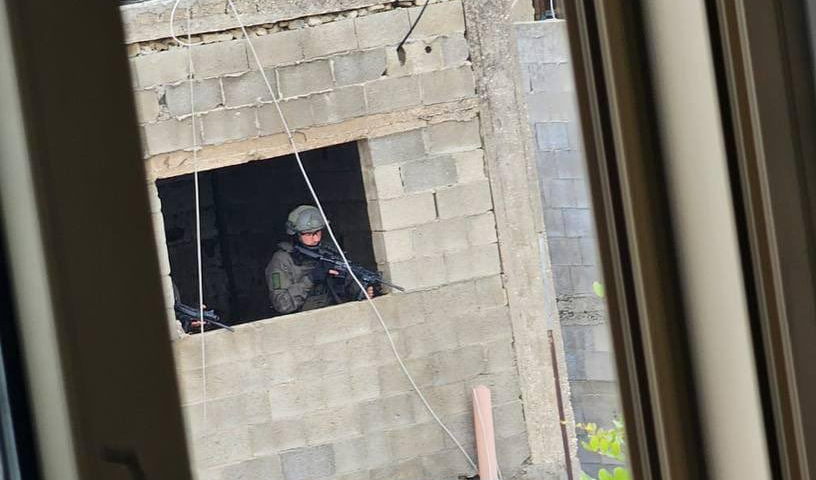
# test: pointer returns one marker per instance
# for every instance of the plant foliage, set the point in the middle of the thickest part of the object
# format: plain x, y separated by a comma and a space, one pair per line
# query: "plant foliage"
610, 443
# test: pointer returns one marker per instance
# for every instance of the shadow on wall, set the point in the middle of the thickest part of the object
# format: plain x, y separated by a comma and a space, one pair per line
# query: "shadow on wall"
243, 210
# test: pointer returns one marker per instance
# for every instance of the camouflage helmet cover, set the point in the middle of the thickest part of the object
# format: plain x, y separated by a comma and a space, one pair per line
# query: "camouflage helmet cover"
304, 218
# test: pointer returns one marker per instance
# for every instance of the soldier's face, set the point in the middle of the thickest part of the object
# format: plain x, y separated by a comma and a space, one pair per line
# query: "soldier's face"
311, 239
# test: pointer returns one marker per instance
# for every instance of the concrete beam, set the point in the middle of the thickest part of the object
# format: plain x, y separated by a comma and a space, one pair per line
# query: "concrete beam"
510, 160
151, 20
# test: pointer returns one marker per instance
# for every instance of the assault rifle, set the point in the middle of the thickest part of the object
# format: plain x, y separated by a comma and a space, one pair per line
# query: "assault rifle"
331, 257
187, 315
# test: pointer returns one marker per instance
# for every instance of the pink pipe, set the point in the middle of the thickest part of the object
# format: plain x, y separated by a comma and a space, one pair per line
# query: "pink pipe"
485, 439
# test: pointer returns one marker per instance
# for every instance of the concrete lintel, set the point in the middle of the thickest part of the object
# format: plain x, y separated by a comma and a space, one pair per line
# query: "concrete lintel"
371, 126
151, 20
510, 160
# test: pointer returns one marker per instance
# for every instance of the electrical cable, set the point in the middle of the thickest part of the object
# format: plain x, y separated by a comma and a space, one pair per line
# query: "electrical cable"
400, 50
200, 272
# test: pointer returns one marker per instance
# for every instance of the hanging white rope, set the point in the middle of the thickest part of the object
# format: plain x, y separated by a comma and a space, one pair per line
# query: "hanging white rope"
191, 70
329, 229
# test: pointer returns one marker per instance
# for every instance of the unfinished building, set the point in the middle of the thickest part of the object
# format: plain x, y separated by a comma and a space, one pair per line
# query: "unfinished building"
428, 169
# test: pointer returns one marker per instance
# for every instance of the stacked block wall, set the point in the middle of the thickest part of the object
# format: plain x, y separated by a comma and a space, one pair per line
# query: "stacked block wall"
552, 110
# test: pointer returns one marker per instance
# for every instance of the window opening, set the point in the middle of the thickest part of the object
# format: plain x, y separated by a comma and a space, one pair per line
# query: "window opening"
243, 213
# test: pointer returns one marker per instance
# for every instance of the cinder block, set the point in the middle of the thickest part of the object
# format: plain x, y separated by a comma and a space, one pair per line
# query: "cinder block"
554, 222
217, 59
459, 365
168, 136
368, 350
578, 222
448, 463
560, 194
447, 85
405, 211
473, 263
338, 105
513, 452
601, 339
392, 380
429, 173
442, 236
390, 94
490, 291
393, 246
423, 339
207, 96
583, 278
226, 413
446, 400
466, 199
417, 273
482, 229
383, 182
565, 251
147, 105
298, 114
470, 166
308, 463
249, 88
263, 468
418, 57
359, 67
274, 437
483, 326
223, 447
439, 19
410, 470
547, 165
548, 107
159, 68
589, 251
353, 386
552, 136
292, 399
362, 453
305, 78
328, 38
542, 42
563, 280
504, 386
454, 136
570, 164
335, 423
225, 125
545, 78
500, 355
396, 148
387, 28
416, 441
509, 419
279, 48
600, 366
455, 49
582, 198
387, 412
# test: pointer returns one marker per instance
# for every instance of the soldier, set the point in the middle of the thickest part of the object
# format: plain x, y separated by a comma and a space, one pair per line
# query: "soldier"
298, 283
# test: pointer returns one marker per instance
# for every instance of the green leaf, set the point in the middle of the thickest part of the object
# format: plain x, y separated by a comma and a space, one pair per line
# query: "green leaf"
594, 443
615, 449
604, 446
603, 474
621, 473
599, 289
584, 476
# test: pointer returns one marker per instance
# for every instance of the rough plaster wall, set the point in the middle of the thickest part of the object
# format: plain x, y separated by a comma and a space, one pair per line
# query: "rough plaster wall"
544, 54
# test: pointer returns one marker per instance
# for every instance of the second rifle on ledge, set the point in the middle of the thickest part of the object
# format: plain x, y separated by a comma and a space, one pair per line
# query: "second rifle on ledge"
333, 258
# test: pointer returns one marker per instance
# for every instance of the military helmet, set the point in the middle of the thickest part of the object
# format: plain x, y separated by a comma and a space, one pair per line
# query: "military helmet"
304, 218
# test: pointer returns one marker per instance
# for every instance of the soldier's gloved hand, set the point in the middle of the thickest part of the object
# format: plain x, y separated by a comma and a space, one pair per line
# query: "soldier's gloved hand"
319, 274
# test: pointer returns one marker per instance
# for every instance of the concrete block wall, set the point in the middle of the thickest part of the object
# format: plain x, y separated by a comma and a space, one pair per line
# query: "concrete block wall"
319, 395
552, 110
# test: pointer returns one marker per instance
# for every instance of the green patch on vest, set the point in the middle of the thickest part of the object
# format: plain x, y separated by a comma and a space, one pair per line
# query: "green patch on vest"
276, 280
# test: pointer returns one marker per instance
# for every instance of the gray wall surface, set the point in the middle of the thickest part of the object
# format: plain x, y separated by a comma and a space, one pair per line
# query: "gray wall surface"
551, 104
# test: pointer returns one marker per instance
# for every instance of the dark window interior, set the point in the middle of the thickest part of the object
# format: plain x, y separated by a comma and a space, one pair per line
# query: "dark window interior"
243, 210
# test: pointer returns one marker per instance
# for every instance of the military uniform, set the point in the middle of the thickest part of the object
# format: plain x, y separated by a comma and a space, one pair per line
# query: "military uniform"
291, 288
